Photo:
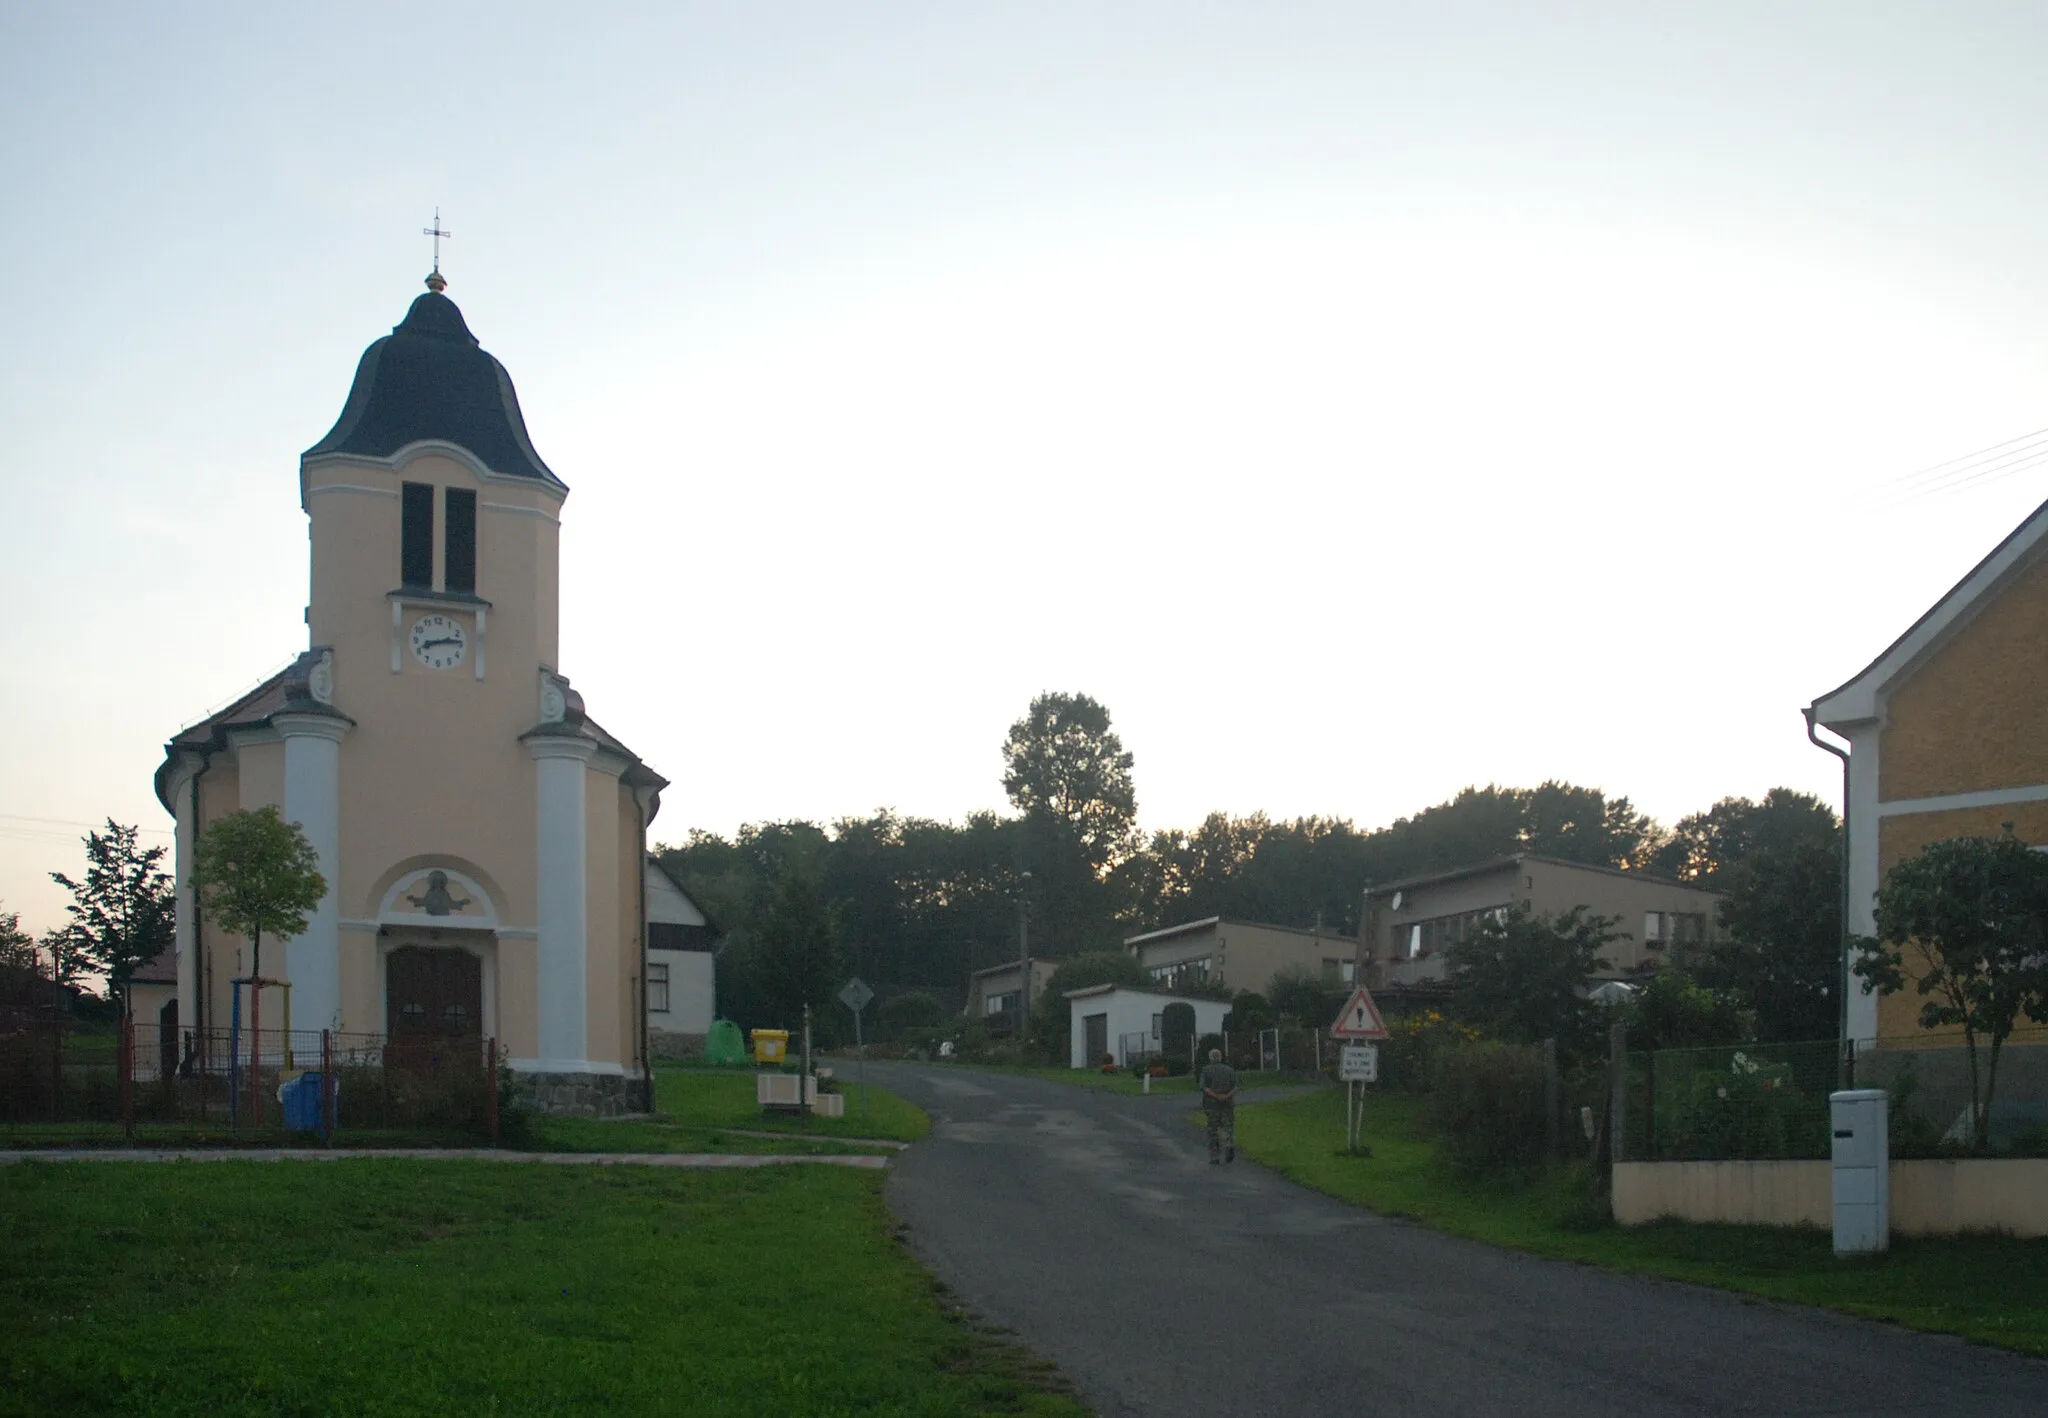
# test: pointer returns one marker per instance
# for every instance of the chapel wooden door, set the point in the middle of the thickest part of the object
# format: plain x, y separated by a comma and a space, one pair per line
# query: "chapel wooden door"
434, 1002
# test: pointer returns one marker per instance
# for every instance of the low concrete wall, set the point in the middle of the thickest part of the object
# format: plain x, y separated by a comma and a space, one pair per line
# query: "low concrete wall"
1928, 1198
1742, 1193
1940, 1198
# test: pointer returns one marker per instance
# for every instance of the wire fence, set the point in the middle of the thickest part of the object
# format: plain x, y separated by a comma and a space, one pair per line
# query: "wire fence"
1745, 1101
237, 1081
1763, 1102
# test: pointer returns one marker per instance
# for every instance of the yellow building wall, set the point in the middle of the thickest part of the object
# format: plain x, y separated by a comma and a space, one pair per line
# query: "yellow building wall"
1975, 715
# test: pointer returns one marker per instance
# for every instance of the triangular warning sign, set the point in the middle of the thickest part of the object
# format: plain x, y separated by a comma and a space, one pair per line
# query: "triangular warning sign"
1360, 1018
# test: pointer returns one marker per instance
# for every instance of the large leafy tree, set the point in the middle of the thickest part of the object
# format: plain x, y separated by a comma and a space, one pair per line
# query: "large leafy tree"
1966, 923
1523, 976
1778, 866
794, 951
1069, 775
123, 913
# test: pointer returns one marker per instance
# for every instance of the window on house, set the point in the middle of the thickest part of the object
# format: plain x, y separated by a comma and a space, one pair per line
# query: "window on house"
1662, 928
657, 989
1339, 972
1157, 1020
1001, 1003
416, 535
1182, 973
458, 560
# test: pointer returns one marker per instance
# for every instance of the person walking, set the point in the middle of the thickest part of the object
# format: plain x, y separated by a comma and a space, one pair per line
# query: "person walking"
1219, 1105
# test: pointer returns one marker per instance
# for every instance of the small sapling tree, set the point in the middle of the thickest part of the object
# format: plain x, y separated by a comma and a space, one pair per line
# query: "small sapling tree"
1967, 922
259, 875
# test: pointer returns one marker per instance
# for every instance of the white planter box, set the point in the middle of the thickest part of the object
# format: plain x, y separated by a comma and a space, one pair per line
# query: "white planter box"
779, 1090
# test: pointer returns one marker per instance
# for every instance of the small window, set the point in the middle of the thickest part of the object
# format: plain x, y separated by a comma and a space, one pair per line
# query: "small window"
456, 1015
1653, 926
657, 988
1157, 1020
458, 562
416, 536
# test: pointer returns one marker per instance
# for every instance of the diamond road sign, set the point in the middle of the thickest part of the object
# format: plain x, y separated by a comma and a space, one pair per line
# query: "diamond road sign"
856, 994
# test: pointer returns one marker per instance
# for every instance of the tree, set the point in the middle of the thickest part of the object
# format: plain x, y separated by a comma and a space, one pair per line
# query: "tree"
1967, 921
1675, 1011
912, 1010
1523, 976
795, 949
1063, 764
124, 913
1298, 993
1778, 867
1069, 775
1051, 1020
17, 946
257, 873
1177, 1035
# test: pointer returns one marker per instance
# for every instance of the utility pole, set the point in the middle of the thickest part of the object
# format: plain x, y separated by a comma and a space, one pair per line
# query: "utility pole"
1023, 941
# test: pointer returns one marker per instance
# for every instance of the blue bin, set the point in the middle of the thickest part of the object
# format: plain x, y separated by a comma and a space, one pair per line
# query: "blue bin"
302, 1103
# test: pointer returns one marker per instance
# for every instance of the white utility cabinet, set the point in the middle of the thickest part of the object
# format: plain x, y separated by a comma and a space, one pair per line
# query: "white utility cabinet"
1862, 1172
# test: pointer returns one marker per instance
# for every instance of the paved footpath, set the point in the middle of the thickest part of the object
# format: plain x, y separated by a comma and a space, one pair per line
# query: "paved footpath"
440, 1154
1092, 1225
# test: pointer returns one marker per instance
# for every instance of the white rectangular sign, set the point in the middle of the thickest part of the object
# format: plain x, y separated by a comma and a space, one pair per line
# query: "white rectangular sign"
1359, 1063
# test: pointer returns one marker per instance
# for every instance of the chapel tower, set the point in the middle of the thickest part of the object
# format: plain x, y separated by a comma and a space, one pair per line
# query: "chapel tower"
481, 836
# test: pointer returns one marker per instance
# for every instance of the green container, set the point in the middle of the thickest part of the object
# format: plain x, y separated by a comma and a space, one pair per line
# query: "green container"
724, 1047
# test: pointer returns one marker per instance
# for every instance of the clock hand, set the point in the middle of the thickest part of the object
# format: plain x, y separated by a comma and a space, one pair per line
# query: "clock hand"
445, 640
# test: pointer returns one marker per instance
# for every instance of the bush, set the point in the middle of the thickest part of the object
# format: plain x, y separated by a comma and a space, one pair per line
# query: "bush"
1416, 1046
915, 1010
1487, 1103
1249, 1013
1751, 1111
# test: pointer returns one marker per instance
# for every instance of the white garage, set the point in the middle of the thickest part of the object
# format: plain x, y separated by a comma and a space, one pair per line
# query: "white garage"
1124, 1022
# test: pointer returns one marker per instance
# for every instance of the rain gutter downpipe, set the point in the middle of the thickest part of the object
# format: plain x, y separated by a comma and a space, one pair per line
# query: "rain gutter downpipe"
1843, 1046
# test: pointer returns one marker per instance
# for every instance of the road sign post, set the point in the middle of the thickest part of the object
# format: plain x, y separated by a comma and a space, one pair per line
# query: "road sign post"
855, 995
1357, 1029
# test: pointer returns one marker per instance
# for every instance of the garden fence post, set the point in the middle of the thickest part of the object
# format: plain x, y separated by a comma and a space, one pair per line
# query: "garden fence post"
1650, 1106
125, 1061
1617, 1097
491, 1099
56, 1042
327, 1085
1550, 1099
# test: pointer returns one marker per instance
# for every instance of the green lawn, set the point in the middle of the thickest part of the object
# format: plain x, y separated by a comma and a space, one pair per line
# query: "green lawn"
1987, 1288
384, 1286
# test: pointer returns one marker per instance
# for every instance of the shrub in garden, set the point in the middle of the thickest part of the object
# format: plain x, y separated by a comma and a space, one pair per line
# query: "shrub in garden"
1415, 1045
1249, 1012
915, 1010
1750, 1110
1487, 1105
1177, 1031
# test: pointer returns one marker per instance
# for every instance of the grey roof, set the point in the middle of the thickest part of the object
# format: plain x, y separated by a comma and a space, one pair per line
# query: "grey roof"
429, 379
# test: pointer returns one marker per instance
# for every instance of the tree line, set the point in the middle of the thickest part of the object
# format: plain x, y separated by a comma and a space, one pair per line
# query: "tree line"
913, 903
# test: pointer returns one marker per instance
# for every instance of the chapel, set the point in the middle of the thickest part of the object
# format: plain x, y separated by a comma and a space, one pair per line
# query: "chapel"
482, 837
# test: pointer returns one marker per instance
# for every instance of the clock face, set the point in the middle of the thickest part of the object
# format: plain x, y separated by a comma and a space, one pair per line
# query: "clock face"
438, 642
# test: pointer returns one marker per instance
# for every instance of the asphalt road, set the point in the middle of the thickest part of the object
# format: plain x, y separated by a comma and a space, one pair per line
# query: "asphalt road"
1093, 1226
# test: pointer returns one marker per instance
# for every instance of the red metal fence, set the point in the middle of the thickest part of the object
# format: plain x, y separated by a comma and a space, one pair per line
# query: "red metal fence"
238, 1081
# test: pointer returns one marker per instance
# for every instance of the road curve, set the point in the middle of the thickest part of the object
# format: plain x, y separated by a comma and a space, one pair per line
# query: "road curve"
1093, 1226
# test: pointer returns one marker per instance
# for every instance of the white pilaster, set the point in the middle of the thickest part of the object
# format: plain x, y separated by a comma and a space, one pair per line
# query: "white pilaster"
1860, 813
187, 937
561, 907
312, 798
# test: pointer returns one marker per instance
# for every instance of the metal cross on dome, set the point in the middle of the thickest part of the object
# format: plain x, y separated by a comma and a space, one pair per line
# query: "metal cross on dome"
436, 232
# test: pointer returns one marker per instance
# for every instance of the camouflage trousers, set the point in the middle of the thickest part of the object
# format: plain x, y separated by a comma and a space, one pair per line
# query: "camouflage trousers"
1222, 1131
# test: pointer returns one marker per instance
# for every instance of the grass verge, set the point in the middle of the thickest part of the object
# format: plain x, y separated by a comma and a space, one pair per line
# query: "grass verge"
1992, 1289
390, 1286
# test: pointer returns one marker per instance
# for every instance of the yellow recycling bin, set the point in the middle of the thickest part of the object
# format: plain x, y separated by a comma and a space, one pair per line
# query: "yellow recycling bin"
771, 1046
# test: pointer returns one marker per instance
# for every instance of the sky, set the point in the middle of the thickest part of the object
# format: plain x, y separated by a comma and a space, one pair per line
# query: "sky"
1361, 400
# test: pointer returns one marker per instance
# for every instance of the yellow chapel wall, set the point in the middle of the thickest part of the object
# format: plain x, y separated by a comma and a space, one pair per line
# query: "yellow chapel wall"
632, 903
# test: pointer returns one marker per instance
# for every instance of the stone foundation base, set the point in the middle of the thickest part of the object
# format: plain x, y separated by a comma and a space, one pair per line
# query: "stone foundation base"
582, 1095
665, 1044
